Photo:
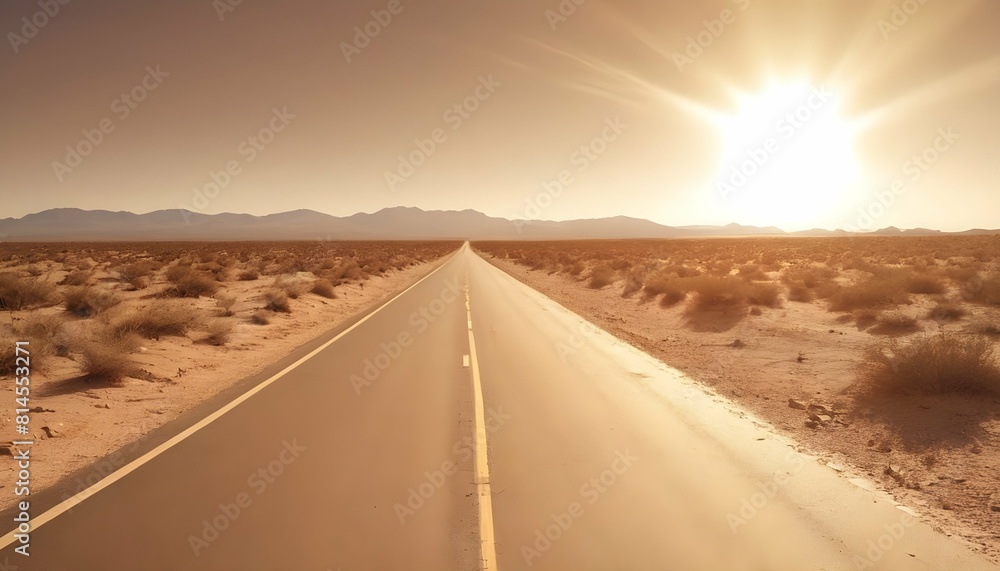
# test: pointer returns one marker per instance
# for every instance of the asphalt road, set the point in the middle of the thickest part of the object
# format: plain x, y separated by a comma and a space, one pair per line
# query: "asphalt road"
361, 453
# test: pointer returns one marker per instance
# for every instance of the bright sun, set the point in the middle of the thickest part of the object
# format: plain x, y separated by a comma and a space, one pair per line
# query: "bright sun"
787, 157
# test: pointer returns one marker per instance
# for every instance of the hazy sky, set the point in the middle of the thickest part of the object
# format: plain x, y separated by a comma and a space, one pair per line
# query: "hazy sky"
670, 101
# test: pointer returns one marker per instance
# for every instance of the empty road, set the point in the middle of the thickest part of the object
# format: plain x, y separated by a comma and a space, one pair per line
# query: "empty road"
471, 423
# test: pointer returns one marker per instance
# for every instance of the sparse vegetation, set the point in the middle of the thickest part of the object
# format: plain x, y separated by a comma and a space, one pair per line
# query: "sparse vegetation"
17, 293
939, 364
88, 301
260, 317
152, 320
323, 288
277, 300
219, 331
600, 276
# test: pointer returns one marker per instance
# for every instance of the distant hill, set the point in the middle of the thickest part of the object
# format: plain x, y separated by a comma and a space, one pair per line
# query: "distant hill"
399, 223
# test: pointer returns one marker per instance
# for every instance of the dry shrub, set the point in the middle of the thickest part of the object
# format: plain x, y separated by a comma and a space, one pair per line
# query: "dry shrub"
634, 278
155, 319
575, 268
77, 278
219, 331
752, 272
944, 312
86, 301
876, 292
895, 324
989, 291
984, 326
346, 271
260, 317
130, 273
800, 293
602, 275
924, 284
715, 293
17, 293
277, 300
43, 334
940, 364
107, 359
768, 295
865, 318
248, 275
323, 288
225, 303
195, 284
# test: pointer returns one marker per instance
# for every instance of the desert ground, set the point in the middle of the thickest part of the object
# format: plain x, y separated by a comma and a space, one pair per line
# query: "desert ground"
878, 353
124, 337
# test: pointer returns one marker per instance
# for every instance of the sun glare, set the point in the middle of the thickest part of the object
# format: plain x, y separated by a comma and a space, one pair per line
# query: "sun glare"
786, 157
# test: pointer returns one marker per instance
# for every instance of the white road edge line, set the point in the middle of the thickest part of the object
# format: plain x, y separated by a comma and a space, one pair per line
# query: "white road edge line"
70, 503
487, 542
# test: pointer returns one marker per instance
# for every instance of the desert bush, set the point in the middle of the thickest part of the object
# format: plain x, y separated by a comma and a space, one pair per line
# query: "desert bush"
634, 278
876, 292
600, 276
924, 284
153, 320
260, 317
77, 278
985, 327
219, 331
248, 275
714, 293
87, 301
17, 293
989, 291
947, 312
277, 300
576, 268
800, 293
768, 295
192, 283
225, 303
323, 288
131, 272
751, 272
107, 359
939, 364
895, 324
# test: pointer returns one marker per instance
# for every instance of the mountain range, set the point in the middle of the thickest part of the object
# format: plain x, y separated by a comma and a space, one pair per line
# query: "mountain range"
398, 223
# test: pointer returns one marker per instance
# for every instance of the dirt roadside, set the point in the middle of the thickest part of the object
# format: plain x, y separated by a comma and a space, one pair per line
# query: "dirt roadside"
937, 455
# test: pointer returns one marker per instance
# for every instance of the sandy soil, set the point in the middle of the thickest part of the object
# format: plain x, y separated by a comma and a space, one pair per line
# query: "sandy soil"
937, 455
80, 422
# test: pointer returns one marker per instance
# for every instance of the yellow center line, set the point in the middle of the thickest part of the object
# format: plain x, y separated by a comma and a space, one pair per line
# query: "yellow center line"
487, 543
68, 504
